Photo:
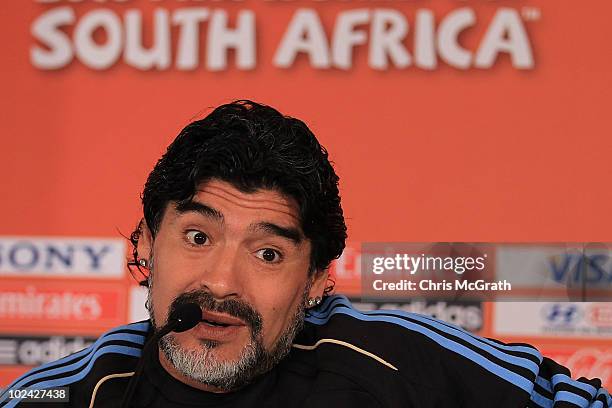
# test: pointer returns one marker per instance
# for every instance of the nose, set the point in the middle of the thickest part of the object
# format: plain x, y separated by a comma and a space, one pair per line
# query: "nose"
221, 274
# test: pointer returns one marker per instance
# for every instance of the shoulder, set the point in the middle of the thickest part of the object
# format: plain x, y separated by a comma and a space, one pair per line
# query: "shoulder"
423, 349
116, 350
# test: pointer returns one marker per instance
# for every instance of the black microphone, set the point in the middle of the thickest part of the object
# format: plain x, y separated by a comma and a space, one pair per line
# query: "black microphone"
186, 316
182, 318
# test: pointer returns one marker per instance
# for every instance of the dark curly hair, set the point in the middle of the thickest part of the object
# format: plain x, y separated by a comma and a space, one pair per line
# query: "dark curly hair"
252, 146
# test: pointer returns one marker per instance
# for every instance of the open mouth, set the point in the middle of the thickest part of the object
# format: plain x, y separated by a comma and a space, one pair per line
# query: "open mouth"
220, 320
213, 323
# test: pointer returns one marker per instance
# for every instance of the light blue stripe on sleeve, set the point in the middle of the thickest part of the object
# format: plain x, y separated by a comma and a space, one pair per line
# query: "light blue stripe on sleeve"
541, 400
518, 361
562, 378
425, 319
138, 339
544, 383
59, 382
142, 327
567, 396
603, 391
501, 372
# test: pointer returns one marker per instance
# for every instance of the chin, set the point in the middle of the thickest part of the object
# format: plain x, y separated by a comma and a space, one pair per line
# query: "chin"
225, 366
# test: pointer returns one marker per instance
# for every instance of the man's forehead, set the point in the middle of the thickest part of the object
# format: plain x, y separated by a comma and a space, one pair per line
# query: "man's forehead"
269, 200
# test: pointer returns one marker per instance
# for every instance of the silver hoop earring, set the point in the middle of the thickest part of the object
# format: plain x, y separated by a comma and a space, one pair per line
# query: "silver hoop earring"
142, 262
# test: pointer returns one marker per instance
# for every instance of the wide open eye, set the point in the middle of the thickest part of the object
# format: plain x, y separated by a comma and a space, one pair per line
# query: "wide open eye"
269, 255
195, 237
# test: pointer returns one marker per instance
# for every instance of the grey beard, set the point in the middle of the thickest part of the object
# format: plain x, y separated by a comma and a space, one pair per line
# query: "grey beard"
201, 365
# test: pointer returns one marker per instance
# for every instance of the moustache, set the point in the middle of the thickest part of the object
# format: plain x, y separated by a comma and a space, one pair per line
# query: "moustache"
233, 307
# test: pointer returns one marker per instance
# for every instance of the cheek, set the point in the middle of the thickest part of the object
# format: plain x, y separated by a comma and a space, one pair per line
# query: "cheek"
167, 285
160, 300
279, 310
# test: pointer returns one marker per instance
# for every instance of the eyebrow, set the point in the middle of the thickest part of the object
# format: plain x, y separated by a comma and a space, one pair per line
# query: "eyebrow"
292, 234
194, 206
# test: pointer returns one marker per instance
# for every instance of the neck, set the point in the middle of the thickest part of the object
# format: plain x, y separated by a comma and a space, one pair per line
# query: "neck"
170, 369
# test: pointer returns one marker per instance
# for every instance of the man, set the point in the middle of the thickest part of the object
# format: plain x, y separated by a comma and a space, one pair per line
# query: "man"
242, 217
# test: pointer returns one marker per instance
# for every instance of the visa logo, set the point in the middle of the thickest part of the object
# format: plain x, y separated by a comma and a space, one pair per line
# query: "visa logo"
62, 257
581, 269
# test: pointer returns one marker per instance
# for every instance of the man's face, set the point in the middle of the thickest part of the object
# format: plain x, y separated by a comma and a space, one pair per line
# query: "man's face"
244, 259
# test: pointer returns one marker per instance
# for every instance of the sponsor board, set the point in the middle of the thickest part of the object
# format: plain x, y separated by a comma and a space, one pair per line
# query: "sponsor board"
55, 306
558, 319
449, 271
137, 309
62, 257
37, 350
465, 314
346, 271
556, 266
589, 362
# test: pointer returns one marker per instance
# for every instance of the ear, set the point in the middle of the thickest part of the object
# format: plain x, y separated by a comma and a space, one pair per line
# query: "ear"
145, 242
319, 279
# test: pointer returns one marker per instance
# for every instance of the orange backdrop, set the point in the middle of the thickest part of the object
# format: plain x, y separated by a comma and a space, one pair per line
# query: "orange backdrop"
503, 153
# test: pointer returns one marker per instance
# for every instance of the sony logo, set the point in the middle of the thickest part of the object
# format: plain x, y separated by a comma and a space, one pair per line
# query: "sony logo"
64, 257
